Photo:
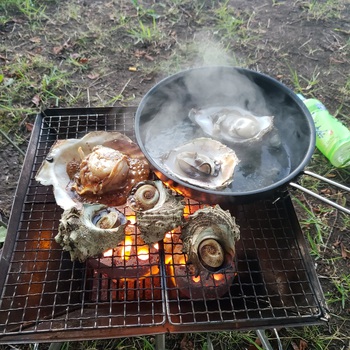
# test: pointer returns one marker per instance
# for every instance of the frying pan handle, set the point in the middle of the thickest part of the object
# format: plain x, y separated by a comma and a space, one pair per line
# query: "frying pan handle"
316, 195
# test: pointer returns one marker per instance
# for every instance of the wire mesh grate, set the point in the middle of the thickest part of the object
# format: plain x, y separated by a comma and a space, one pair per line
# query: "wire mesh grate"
45, 295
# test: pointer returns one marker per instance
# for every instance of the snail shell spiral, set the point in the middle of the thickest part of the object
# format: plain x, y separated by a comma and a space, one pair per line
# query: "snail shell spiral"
145, 197
211, 253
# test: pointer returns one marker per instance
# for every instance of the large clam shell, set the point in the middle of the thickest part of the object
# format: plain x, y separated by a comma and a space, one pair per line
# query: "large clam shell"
202, 162
231, 124
90, 231
72, 163
157, 210
209, 238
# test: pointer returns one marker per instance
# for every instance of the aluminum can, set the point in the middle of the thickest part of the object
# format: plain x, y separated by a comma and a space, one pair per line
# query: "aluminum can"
332, 137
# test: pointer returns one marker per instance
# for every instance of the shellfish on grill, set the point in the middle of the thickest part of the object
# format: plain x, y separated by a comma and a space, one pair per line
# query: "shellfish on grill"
100, 167
90, 231
158, 211
231, 124
202, 162
209, 238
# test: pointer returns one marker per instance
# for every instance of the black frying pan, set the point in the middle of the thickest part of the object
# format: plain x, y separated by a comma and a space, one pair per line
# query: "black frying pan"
161, 123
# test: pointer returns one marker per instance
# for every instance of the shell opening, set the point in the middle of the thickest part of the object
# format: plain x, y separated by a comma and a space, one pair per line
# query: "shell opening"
108, 218
197, 165
211, 254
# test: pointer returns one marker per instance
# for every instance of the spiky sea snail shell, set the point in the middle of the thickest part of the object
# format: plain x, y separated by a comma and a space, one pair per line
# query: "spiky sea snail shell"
209, 236
157, 209
90, 231
144, 196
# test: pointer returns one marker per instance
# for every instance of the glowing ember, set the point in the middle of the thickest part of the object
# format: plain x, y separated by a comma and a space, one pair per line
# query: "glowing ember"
218, 276
132, 219
196, 279
143, 253
132, 259
126, 249
108, 253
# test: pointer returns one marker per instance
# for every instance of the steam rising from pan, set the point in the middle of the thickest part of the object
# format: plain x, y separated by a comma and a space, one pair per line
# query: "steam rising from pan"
162, 123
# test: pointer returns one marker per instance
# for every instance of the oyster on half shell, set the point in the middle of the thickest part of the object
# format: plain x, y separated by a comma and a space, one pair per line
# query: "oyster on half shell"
157, 210
209, 238
90, 231
231, 124
101, 167
202, 162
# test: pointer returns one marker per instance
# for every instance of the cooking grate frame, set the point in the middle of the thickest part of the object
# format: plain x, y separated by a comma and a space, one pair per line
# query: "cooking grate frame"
45, 296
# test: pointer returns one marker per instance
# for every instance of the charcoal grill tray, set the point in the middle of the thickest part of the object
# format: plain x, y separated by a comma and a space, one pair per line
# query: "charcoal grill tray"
46, 297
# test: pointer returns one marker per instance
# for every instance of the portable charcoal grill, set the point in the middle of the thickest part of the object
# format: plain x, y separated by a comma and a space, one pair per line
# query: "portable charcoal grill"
45, 297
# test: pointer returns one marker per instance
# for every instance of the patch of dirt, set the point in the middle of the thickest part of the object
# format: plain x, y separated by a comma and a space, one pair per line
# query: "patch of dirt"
283, 39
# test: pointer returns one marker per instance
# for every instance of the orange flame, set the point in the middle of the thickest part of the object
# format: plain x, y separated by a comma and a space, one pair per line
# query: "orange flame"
108, 253
131, 218
196, 279
218, 276
143, 253
126, 250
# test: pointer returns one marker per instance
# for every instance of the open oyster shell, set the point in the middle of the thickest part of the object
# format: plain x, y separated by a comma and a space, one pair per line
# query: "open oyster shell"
90, 231
209, 238
231, 124
157, 210
101, 167
202, 162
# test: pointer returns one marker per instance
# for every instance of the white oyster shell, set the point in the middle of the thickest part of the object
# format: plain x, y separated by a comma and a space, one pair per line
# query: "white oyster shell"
231, 124
209, 237
90, 231
158, 211
202, 162
101, 167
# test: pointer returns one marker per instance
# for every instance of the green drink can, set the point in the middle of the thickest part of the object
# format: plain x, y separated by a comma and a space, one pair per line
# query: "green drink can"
332, 137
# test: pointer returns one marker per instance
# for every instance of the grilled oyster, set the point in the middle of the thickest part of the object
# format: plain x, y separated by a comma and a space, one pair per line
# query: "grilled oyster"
202, 162
101, 167
90, 231
209, 238
231, 124
157, 210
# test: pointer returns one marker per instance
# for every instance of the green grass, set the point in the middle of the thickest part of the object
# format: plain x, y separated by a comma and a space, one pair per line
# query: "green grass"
304, 85
321, 10
31, 9
32, 81
231, 24
342, 294
144, 33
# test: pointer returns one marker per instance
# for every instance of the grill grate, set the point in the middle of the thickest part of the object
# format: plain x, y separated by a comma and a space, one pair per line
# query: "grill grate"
46, 296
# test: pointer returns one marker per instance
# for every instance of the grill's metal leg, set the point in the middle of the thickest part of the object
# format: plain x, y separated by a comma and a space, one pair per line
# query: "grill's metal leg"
209, 343
160, 341
55, 346
265, 341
